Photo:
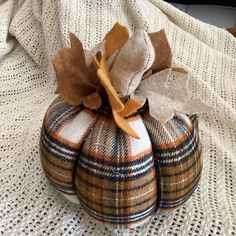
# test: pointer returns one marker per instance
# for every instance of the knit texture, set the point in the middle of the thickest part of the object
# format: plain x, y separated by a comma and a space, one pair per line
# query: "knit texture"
31, 32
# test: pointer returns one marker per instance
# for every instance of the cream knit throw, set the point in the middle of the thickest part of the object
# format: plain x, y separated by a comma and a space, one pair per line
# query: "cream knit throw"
31, 32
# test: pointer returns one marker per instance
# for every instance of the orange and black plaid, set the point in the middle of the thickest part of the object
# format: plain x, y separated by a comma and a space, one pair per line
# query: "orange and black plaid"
119, 179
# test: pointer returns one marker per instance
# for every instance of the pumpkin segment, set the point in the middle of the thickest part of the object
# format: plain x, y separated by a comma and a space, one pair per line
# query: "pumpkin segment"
116, 180
177, 155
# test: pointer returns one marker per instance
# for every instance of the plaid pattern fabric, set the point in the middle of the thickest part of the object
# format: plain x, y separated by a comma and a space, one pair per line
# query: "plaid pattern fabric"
178, 160
116, 178
62, 135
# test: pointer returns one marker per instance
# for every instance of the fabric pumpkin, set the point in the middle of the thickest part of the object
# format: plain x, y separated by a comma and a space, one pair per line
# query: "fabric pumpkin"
119, 179
122, 137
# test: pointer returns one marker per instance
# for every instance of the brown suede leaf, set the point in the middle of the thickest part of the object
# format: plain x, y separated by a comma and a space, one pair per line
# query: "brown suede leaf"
115, 39
72, 73
163, 58
92, 101
98, 49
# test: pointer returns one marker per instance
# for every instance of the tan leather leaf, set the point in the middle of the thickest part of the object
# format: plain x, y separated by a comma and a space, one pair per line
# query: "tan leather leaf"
131, 106
147, 74
180, 70
195, 106
168, 93
132, 61
115, 39
92, 101
163, 58
124, 125
72, 73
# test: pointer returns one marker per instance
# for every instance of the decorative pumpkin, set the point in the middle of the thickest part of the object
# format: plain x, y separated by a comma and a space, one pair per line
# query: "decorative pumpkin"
122, 137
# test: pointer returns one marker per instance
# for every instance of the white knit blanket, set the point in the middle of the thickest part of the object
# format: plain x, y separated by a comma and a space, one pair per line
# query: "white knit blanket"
31, 32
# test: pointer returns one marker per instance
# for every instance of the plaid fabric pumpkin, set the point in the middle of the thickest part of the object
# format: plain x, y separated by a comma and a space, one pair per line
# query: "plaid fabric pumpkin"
119, 179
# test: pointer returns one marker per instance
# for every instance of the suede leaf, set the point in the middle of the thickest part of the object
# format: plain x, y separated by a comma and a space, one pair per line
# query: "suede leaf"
132, 61
72, 73
92, 101
168, 93
115, 39
163, 55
